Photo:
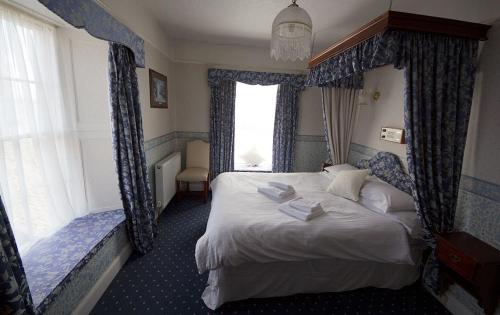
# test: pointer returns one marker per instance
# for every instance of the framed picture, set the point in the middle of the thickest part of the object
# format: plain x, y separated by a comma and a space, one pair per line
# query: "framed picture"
158, 91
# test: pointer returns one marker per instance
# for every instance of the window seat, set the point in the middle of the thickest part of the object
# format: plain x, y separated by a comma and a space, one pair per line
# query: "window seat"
51, 263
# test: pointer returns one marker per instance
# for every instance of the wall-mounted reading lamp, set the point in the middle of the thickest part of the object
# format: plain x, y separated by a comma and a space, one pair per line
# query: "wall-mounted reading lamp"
368, 97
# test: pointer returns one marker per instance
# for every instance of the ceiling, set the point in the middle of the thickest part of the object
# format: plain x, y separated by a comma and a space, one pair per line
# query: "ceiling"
248, 22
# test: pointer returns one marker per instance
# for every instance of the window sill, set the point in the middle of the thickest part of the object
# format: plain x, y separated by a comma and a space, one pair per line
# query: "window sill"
252, 171
247, 168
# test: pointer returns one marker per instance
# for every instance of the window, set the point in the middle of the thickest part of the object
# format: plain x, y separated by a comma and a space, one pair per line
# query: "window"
41, 175
254, 126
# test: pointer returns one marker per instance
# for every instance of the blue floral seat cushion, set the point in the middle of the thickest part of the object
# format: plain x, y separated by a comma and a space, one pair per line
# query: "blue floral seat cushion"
49, 263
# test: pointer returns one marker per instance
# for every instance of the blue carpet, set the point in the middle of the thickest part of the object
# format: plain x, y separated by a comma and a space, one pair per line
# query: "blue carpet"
166, 281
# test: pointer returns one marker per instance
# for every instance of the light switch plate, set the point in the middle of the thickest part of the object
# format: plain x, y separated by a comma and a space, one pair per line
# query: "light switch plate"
396, 135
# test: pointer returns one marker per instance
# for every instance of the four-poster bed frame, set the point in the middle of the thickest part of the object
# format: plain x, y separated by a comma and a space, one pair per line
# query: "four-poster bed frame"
393, 20
427, 46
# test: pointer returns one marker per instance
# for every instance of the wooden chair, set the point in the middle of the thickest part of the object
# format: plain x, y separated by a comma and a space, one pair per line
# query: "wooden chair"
197, 165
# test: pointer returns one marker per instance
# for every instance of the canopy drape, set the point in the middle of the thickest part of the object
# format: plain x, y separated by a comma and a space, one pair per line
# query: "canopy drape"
439, 76
439, 80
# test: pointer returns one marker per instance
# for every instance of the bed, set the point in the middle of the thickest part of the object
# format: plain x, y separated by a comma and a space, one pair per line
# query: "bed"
252, 250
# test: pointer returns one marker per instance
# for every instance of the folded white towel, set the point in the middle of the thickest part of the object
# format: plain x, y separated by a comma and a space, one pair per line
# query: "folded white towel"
305, 205
287, 209
276, 193
281, 186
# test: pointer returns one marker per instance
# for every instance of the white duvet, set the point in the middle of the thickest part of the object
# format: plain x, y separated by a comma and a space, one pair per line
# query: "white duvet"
246, 227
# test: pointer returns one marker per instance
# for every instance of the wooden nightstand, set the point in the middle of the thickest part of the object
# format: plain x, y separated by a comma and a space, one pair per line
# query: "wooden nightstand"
472, 264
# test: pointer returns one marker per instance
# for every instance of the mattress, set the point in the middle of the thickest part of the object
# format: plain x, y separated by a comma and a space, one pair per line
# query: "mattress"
246, 227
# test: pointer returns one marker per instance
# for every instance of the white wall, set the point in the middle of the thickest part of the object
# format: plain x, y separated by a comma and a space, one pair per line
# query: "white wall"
85, 61
233, 57
310, 113
483, 140
156, 121
135, 17
386, 112
193, 101
192, 97
84, 65
159, 50
193, 94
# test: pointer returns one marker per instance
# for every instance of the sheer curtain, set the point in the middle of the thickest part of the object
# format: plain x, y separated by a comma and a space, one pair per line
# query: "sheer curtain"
41, 175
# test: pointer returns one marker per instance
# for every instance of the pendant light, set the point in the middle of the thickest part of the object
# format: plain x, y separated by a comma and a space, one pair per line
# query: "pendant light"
291, 34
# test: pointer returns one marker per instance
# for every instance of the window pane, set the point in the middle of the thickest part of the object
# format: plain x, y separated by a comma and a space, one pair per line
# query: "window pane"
254, 127
28, 195
41, 173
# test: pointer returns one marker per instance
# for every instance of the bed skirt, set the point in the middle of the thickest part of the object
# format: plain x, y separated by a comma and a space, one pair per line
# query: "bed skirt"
287, 278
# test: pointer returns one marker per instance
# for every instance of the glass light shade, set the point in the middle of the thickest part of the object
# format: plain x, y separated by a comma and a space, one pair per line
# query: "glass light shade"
292, 34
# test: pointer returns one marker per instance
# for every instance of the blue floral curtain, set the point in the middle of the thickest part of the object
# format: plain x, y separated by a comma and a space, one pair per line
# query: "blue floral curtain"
439, 73
128, 144
223, 85
222, 127
285, 128
15, 296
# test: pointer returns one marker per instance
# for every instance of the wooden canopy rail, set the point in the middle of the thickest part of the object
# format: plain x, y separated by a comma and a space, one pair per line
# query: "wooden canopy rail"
404, 21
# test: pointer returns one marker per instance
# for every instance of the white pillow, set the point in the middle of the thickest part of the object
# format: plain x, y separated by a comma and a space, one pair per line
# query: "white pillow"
340, 167
348, 183
332, 171
382, 197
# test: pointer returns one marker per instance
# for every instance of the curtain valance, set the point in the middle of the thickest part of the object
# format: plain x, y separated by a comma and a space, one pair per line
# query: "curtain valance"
346, 69
391, 47
216, 76
97, 22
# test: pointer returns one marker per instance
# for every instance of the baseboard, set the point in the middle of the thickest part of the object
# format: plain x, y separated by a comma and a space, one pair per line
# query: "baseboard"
452, 303
90, 300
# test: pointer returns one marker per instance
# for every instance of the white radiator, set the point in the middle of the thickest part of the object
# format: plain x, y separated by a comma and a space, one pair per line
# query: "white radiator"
165, 172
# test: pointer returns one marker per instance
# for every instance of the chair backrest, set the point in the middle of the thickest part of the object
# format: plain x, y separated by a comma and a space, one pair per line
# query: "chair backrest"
197, 154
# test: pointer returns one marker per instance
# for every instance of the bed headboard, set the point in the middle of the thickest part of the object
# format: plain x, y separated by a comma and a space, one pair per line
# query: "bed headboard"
388, 167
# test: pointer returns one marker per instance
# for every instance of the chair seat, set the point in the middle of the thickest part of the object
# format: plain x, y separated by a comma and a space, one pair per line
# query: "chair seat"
193, 174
